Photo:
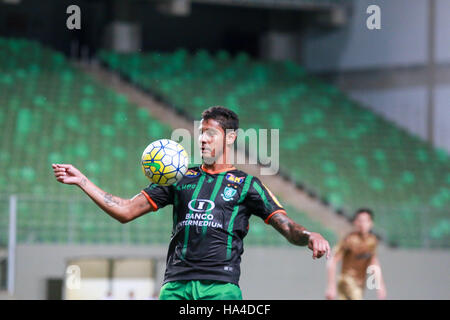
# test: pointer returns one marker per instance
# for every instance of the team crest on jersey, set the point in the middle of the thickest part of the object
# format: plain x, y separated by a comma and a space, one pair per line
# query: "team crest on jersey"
232, 178
191, 173
228, 193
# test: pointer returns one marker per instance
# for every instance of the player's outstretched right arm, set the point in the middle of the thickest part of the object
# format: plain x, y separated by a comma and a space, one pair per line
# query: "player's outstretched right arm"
123, 210
296, 234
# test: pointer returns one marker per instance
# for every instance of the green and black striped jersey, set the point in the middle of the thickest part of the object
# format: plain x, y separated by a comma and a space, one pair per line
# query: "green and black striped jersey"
211, 212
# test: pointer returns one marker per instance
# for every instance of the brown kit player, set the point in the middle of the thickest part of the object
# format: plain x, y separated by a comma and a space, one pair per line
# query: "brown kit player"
357, 251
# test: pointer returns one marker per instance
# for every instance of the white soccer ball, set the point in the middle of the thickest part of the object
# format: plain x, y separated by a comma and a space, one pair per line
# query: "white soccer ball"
164, 162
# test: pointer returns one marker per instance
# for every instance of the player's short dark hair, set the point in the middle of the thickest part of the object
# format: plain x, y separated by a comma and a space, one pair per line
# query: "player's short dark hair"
363, 210
225, 117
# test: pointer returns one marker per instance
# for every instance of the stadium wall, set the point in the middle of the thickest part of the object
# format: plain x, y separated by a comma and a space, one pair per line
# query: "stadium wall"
393, 102
399, 42
267, 273
386, 54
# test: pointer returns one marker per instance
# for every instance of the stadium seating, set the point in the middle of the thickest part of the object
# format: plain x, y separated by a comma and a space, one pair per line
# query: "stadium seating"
342, 152
50, 112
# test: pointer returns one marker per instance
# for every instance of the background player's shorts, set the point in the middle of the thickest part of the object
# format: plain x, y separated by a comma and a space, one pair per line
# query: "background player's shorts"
349, 289
200, 290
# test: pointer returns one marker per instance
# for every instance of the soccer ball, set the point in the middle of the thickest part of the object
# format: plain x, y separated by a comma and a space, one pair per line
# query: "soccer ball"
164, 162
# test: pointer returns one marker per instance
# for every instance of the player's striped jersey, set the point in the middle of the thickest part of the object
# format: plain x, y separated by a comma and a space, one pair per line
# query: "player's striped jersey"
211, 212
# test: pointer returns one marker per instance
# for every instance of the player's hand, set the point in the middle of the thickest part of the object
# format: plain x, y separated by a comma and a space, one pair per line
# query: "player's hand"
330, 294
318, 245
67, 174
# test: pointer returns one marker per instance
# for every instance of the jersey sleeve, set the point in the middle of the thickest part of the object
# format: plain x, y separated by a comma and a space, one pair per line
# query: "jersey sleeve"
374, 246
261, 201
343, 246
158, 196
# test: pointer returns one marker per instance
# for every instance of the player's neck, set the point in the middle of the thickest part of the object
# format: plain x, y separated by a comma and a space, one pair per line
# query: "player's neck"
362, 234
217, 167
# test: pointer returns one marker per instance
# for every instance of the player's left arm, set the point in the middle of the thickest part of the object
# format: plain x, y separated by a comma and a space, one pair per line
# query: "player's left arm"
381, 291
299, 235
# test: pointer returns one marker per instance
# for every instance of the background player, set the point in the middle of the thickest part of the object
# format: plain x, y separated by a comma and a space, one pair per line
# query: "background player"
210, 216
357, 252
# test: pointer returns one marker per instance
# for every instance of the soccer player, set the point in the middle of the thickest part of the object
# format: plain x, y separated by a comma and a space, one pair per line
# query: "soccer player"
357, 251
212, 205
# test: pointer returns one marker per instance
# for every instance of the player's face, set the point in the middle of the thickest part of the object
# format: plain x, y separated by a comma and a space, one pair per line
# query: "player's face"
211, 140
363, 223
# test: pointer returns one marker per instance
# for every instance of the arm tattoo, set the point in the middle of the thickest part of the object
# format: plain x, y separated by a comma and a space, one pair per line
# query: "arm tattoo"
292, 231
112, 201
83, 182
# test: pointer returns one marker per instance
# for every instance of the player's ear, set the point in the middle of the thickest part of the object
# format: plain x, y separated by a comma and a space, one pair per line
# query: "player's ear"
230, 137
